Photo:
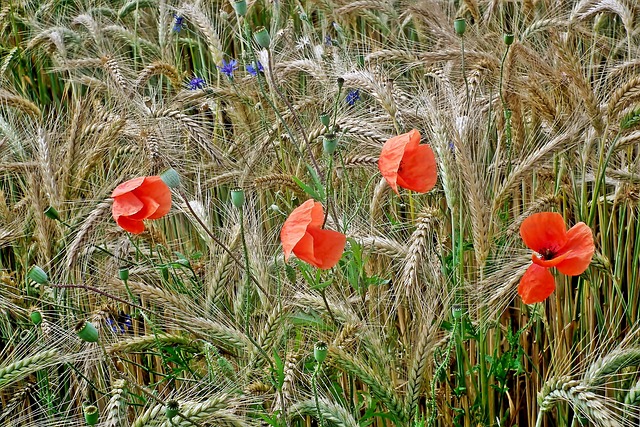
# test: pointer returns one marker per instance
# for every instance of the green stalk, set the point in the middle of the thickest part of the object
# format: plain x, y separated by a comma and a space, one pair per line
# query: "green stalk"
248, 271
315, 393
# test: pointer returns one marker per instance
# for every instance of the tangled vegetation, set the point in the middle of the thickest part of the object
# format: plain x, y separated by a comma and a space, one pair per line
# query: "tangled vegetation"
529, 106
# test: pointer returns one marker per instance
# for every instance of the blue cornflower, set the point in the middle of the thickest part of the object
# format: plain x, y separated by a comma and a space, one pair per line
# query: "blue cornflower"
255, 70
196, 83
114, 326
228, 67
122, 325
125, 320
353, 96
328, 41
178, 23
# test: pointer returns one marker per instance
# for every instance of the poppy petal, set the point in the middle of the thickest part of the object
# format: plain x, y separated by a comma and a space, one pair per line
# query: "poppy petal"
304, 250
544, 231
328, 246
131, 225
391, 156
295, 226
155, 188
127, 187
578, 251
317, 216
148, 208
536, 284
418, 170
125, 205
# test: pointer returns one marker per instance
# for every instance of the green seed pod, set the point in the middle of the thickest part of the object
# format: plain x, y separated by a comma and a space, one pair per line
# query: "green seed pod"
240, 6
52, 213
329, 143
261, 35
38, 275
36, 317
320, 351
237, 197
172, 409
325, 119
460, 26
171, 178
508, 39
456, 311
86, 331
91, 415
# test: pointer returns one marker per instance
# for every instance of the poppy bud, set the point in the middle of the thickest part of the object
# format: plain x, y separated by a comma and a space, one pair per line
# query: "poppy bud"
237, 197
38, 275
91, 415
340, 83
86, 331
261, 35
508, 39
171, 178
52, 213
329, 143
460, 26
123, 273
36, 317
320, 351
325, 119
172, 409
240, 6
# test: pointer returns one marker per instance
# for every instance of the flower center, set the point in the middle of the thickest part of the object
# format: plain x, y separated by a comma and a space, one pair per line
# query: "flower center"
547, 254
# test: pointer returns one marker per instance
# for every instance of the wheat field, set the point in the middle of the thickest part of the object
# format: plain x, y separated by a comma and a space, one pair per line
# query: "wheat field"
533, 107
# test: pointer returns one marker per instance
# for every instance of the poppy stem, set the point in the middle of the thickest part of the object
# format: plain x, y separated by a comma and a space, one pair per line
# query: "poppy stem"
314, 383
326, 305
245, 252
222, 245
464, 74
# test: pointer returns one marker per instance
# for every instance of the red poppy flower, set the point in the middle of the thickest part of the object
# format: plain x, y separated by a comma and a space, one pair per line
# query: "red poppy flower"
569, 251
302, 234
138, 199
404, 162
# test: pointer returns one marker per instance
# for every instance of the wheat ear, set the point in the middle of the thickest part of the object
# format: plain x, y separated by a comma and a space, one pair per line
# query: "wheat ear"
20, 369
380, 388
335, 414
117, 404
